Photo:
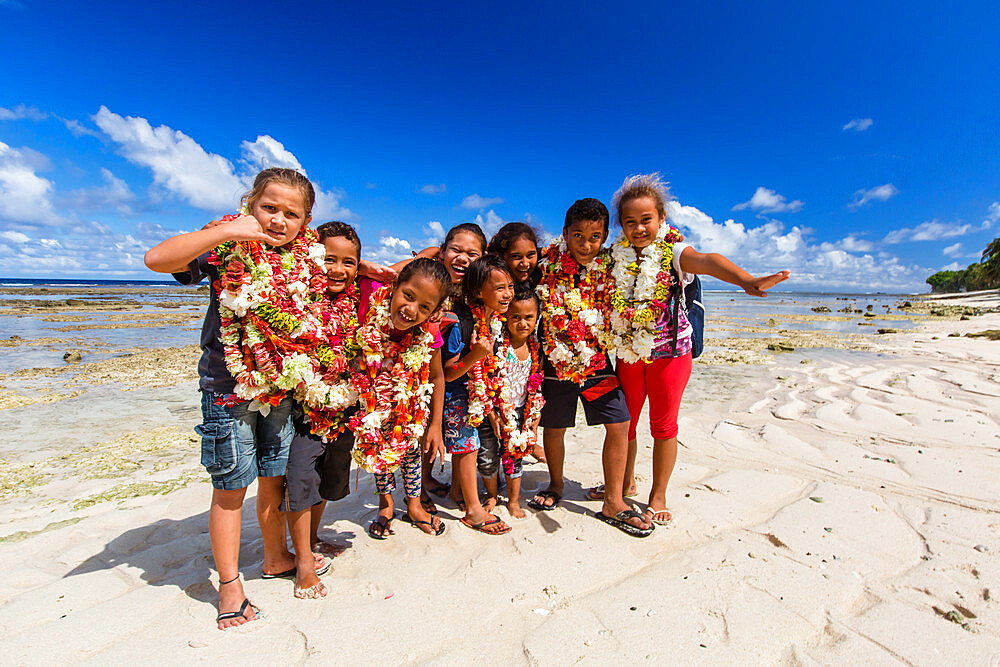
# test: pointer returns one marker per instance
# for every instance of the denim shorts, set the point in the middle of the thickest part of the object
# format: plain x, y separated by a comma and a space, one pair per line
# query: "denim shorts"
239, 444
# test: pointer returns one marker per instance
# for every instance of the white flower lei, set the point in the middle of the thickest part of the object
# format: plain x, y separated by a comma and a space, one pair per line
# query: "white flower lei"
633, 338
517, 438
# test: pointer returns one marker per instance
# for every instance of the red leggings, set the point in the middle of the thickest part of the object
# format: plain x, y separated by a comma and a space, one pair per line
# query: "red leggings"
663, 380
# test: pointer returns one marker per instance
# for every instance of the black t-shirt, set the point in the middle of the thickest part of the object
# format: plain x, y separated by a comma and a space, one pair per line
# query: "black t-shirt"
213, 375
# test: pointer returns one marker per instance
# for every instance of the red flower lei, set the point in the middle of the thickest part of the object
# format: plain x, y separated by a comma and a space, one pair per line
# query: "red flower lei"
483, 383
392, 379
266, 296
574, 312
328, 393
519, 440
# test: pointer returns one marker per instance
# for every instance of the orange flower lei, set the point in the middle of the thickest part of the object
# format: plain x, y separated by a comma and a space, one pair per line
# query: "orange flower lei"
392, 379
326, 393
483, 382
574, 311
517, 438
266, 300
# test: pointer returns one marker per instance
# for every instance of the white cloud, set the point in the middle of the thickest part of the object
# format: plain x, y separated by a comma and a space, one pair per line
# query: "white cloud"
25, 197
81, 250
878, 193
388, 250
114, 194
769, 247
206, 180
431, 189
266, 152
858, 125
22, 111
435, 233
853, 244
179, 164
992, 215
15, 237
490, 223
931, 230
954, 266
765, 200
475, 201
954, 250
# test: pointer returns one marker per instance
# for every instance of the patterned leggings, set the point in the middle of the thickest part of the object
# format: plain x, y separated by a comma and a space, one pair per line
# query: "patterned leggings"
409, 466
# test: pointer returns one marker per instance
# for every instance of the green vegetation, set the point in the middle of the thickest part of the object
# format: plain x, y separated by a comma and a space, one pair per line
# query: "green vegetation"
984, 274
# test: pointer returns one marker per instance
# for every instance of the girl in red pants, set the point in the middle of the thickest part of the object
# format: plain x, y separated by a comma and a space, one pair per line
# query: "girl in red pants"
650, 263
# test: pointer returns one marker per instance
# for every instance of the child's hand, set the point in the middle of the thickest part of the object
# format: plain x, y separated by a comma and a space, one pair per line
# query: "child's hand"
759, 286
481, 349
378, 272
246, 228
434, 444
533, 426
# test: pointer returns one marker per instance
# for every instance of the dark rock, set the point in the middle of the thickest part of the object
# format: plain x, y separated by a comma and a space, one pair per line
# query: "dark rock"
780, 347
989, 334
72, 357
888, 330
820, 309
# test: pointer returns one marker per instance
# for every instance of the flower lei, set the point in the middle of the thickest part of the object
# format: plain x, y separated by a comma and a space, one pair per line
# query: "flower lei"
483, 382
642, 282
518, 439
392, 379
326, 391
573, 314
266, 298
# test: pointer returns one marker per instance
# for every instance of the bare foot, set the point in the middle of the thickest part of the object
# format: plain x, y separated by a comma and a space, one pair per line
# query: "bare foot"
490, 504
314, 592
659, 517
514, 507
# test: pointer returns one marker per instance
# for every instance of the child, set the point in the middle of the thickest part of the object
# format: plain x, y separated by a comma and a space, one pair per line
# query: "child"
316, 471
487, 289
574, 302
519, 401
649, 261
517, 244
399, 380
242, 359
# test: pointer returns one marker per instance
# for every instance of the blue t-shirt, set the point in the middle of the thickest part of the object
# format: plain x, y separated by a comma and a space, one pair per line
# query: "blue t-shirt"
454, 346
213, 375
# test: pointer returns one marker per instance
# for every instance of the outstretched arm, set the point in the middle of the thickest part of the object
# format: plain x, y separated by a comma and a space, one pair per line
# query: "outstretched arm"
174, 254
718, 266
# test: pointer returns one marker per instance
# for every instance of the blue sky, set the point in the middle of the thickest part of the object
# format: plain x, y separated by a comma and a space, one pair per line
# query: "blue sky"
857, 145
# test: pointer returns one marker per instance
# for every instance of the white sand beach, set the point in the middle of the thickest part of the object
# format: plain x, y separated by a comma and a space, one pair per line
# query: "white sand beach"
830, 506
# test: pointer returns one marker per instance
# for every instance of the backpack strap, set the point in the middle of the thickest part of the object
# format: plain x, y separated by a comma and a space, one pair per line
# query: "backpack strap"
675, 324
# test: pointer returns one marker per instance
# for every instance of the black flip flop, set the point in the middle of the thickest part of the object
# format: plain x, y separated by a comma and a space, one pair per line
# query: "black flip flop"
620, 521
416, 524
541, 506
381, 524
290, 574
225, 616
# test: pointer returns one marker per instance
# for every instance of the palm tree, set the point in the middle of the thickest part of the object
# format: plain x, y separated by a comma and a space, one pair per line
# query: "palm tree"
991, 263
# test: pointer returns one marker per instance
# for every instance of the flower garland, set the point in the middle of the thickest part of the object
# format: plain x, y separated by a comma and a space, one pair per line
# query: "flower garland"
573, 315
392, 379
326, 391
517, 438
483, 382
642, 283
266, 296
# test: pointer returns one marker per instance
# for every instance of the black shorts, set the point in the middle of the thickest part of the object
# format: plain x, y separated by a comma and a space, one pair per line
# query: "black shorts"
316, 471
561, 397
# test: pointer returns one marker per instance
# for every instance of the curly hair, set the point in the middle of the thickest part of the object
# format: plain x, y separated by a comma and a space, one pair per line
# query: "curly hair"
642, 185
335, 228
289, 177
586, 209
